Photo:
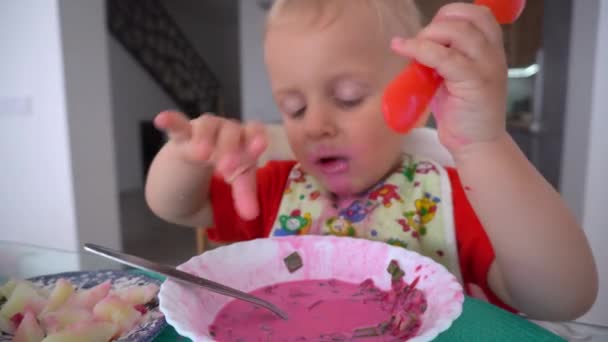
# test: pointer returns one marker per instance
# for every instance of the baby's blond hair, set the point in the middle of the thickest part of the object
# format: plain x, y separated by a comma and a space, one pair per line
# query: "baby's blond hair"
395, 17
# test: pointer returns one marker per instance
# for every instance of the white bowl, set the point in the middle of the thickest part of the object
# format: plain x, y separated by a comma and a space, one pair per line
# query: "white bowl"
251, 265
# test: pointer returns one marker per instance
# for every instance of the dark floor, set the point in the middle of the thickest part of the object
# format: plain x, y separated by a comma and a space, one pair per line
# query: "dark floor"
149, 237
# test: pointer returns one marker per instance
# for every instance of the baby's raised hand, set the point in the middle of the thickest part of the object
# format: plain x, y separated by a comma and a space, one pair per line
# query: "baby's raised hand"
230, 147
464, 44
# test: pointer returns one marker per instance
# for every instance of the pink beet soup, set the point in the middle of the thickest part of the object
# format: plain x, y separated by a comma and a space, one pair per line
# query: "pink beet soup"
325, 310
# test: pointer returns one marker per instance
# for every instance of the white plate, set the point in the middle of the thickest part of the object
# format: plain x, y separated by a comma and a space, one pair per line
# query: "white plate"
251, 265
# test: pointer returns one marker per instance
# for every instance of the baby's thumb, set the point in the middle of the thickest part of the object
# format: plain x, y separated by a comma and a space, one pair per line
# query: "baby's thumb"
244, 193
438, 103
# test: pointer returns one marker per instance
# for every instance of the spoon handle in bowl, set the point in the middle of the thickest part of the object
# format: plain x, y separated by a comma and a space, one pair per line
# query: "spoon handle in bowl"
181, 276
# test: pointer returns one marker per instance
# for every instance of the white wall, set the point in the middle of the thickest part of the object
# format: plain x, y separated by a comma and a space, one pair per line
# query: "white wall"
135, 97
585, 169
57, 177
36, 196
583, 50
595, 215
257, 102
90, 122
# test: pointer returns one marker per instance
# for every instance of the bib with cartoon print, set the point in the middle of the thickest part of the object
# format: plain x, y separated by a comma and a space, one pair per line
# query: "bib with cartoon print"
412, 208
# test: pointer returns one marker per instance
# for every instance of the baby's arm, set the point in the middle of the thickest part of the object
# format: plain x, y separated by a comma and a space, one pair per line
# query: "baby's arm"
178, 191
177, 188
544, 266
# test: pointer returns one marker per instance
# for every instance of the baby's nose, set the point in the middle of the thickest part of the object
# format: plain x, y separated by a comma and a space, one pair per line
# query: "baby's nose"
320, 123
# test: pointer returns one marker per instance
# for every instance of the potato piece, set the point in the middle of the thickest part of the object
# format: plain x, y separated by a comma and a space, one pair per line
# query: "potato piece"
61, 292
118, 311
89, 331
7, 288
6, 326
135, 295
56, 321
87, 299
23, 298
29, 330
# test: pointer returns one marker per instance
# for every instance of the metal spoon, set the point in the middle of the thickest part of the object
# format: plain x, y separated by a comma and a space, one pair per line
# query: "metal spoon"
182, 277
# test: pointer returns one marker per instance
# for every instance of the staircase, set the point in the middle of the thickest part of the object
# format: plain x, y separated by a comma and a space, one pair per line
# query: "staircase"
146, 30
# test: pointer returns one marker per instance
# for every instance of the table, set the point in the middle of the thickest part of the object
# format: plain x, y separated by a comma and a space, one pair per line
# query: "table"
478, 322
18, 260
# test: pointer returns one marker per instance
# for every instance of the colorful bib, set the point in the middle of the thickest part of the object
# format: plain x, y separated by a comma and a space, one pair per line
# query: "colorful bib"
412, 208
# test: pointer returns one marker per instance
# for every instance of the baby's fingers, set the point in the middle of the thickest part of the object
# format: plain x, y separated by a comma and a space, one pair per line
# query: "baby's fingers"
205, 133
244, 193
463, 36
175, 124
256, 140
253, 143
449, 63
480, 16
228, 149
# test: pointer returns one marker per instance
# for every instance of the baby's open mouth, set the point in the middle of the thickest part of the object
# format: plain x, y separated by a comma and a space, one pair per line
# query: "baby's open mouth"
329, 160
333, 164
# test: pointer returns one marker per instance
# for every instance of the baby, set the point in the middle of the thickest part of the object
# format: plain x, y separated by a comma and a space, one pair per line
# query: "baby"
492, 220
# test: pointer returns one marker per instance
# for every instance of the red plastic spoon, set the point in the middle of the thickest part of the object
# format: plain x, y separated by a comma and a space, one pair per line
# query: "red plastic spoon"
408, 96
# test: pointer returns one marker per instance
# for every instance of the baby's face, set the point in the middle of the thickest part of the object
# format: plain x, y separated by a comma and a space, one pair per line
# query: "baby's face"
327, 81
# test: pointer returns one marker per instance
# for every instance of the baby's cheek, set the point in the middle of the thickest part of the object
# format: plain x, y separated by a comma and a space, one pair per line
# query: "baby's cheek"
368, 166
360, 183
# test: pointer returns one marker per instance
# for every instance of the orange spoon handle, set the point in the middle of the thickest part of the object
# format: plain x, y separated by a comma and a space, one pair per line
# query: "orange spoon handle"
408, 96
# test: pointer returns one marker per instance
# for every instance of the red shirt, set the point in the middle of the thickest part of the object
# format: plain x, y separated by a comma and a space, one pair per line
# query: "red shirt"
475, 252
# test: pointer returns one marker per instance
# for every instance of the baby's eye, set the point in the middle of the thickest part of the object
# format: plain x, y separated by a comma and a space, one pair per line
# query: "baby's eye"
298, 113
293, 106
349, 104
349, 94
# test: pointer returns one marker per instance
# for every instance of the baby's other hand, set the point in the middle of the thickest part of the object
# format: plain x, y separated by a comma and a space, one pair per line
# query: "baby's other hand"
464, 44
229, 146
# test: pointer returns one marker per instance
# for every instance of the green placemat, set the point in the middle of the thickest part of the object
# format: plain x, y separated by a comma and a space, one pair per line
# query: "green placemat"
479, 321
170, 335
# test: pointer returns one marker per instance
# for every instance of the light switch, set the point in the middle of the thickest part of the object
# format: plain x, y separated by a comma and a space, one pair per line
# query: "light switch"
15, 105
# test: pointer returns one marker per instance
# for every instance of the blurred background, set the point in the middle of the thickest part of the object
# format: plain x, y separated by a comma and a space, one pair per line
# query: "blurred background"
80, 82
